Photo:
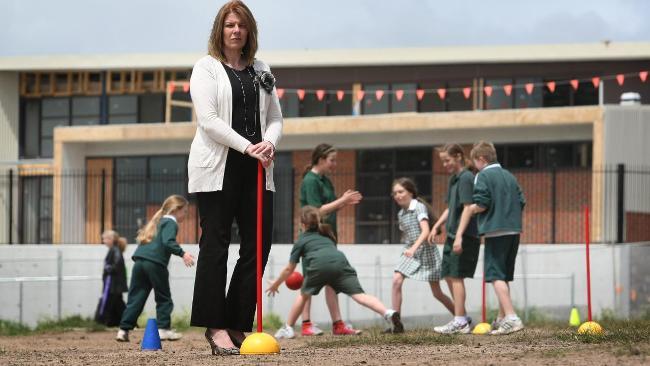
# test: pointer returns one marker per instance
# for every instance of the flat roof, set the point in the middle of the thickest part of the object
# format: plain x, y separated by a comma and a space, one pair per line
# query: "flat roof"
603, 51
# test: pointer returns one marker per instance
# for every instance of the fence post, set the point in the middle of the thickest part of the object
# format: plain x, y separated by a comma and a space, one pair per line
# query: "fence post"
553, 203
102, 203
10, 214
20, 302
59, 280
620, 204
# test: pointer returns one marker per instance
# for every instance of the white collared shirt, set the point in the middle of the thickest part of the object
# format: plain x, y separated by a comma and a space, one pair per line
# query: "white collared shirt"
171, 217
493, 165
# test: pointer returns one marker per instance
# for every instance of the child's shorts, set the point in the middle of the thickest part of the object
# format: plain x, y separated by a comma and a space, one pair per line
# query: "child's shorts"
343, 279
500, 256
463, 265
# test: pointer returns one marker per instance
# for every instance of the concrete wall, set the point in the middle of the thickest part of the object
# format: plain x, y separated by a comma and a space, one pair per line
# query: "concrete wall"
9, 136
549, 285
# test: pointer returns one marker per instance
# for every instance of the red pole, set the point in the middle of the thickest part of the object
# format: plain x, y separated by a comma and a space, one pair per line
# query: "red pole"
588, 263
260, 190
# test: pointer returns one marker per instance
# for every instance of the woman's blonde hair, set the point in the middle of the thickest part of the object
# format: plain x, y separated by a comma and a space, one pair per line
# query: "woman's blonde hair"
117, 239
310, 217
215, 44
171, 204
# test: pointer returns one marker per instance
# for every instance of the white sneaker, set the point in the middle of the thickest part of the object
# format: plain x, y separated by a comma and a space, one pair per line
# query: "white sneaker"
285, 332
508, 326
453, 327
122, 335
169, 335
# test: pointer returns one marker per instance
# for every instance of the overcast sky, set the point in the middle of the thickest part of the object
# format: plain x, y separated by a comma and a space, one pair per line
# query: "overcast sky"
41, 27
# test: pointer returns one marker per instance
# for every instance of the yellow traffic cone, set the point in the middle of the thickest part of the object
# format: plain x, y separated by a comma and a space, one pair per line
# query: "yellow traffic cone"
574, 319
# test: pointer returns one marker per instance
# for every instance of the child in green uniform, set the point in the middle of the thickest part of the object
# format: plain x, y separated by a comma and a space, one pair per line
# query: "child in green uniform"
324, 266
458, 262
317, 190
157, 243
499, 203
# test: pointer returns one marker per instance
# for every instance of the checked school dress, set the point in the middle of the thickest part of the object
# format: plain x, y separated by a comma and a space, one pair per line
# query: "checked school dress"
425, 264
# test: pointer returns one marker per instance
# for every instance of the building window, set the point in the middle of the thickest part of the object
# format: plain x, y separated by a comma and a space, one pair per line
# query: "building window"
376, 221
370, 103
290, 105
525, 100
545, 155
122, 109
85, 111
31, 132
456, 100
283, 177
499, 99
130, 196
36, 210
312, 107
54, 112
408, 101
152, 108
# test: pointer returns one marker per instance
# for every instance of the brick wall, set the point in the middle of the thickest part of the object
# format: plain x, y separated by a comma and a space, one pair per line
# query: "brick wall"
637, 226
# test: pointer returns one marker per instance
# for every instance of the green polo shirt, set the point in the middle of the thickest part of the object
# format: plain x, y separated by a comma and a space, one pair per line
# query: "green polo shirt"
317, 190
163, 244
497, 190
318, 252
461, 189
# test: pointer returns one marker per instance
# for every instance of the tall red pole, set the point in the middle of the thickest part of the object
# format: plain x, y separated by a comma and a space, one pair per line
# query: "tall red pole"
588, 263
260, 201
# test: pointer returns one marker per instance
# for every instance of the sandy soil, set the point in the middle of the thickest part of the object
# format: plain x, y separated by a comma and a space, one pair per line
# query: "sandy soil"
529, 347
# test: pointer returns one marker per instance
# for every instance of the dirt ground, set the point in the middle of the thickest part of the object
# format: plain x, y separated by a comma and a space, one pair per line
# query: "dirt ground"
529, 347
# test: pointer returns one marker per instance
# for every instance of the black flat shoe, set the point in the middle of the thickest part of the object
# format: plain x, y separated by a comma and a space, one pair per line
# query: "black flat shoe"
220, 351
398, 327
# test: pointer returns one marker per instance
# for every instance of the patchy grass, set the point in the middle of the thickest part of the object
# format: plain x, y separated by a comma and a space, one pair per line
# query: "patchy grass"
75, 322
11, 328
270, 322
375, 337
69, 323
621, 332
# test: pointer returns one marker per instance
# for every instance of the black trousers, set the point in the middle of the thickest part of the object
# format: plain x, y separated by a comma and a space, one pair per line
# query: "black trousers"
211, 306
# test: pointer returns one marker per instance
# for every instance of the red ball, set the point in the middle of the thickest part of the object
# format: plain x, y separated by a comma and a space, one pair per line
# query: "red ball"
294, 281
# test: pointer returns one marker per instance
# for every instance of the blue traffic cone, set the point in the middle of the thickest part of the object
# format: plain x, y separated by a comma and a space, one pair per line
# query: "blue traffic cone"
151, 339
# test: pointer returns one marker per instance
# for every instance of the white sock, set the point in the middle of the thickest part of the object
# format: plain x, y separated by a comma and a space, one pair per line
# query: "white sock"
460, 320
512, 317
388, 313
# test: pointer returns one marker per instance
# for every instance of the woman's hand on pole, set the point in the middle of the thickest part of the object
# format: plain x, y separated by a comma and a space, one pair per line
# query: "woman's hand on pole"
252, 151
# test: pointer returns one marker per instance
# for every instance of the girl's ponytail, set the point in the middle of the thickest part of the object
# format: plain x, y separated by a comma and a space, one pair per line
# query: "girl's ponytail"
326, 230
171, 204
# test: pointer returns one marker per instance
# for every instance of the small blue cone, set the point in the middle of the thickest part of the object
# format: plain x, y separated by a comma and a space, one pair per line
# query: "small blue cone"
151, 339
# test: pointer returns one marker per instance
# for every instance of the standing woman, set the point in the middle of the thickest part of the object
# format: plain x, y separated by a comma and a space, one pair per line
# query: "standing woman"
111, 304
239, 125
318, 191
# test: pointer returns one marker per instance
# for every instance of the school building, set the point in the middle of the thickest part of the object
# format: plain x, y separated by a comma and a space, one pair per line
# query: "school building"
91, 142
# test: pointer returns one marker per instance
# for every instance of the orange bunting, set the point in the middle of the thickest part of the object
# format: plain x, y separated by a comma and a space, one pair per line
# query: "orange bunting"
575, 83
379, 94
420, 94
551, 86
280, 92
186, 87
171, 86
467, 92
529, 88
596, 81
300, 93
339, 95
508, 89
360, 94
399, 94
442, 92
320, 94
620, 79
488, 90
643, 75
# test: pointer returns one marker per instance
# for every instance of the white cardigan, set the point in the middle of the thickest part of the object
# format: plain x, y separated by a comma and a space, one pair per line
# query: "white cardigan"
212, 97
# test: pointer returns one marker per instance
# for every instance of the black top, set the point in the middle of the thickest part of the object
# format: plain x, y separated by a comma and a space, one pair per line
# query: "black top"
114, 267
244, 103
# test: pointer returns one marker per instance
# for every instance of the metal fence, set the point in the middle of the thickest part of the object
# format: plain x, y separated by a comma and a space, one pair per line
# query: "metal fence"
90, 202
